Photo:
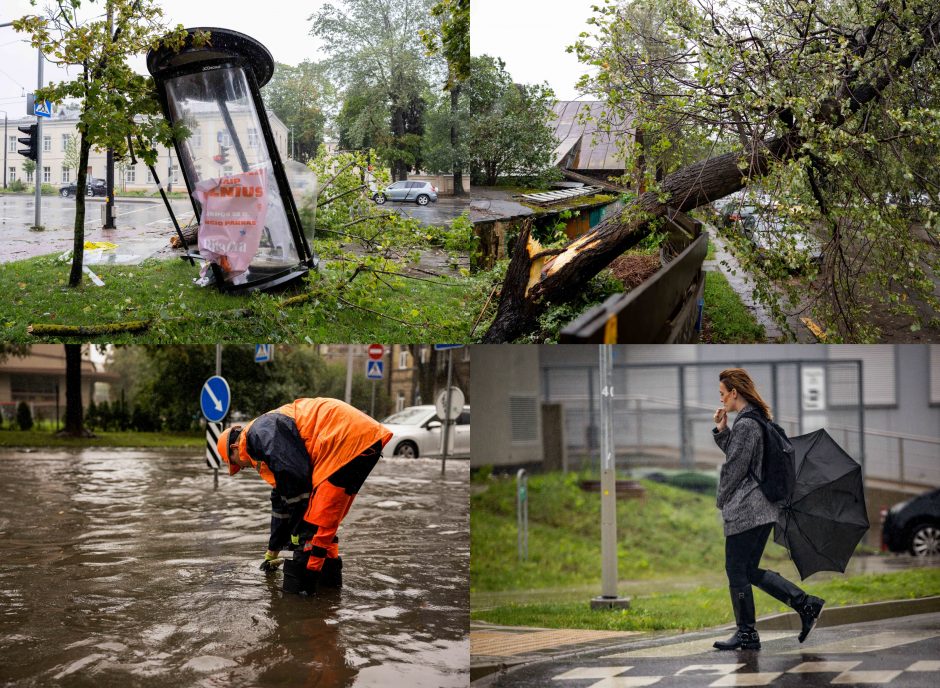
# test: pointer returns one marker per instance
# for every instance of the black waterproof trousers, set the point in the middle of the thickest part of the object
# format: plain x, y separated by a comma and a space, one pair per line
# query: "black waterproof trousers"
743, 552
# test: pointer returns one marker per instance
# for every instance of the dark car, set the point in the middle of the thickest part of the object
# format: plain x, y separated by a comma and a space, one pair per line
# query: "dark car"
95, 187
914, 526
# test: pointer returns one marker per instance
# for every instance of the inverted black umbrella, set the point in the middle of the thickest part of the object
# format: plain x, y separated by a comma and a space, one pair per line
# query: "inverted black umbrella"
825, 517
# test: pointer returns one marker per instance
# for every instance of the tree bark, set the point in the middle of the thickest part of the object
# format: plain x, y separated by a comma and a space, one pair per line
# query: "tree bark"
454, 136
81, 184
73, 390
535, 278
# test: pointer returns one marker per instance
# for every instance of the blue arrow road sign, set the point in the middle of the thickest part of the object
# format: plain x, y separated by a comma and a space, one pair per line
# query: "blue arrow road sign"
215, 398
374, 370
264, 353
43, 109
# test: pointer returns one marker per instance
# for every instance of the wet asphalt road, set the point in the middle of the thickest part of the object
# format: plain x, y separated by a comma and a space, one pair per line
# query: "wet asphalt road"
126, 568
893, 652
143, 228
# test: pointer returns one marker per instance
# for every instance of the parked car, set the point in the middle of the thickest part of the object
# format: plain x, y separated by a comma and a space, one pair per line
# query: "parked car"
914, 526
769, 235
94, 187
421, 193
417, 432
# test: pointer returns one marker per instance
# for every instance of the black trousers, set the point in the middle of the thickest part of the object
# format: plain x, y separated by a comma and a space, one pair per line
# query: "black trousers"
743, 552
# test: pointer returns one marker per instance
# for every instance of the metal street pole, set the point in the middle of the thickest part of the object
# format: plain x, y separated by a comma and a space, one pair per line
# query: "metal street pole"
349, 365
372, 408
39, 147
218, 372
109, 165
6, 144
447, 421
608, 598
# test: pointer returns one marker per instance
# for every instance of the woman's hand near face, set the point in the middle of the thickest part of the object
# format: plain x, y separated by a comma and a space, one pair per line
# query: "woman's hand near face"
721, 419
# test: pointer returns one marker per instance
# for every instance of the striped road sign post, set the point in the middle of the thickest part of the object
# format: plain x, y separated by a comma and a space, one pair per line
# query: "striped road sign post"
213, 431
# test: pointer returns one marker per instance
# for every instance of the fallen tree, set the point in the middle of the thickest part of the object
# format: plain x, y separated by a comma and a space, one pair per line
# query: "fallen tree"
875, 58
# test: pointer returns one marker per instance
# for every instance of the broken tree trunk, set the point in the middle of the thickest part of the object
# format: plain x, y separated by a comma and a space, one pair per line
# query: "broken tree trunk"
535, 277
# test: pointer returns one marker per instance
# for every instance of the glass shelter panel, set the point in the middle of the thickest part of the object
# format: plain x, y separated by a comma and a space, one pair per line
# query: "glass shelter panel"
225, 141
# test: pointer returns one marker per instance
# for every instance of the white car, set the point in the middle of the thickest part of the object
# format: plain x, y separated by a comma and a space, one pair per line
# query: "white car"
417, 432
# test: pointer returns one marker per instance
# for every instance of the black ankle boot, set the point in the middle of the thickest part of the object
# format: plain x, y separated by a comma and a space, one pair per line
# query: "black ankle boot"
809, 612
332, 574
745, 637
807, 606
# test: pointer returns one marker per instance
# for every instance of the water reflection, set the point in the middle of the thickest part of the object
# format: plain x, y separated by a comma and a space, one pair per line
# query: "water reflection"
122, 568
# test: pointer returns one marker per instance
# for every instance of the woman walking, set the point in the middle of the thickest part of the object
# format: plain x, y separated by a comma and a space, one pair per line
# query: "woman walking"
747, 514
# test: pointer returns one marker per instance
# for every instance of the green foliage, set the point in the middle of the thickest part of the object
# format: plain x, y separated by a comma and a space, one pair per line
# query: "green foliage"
440, 153
557, 316
852, 86
375, 50
45, 439
24, 417
509, 130
669, 532
707, 606
17, 186
452, 38
301, 96
729, 320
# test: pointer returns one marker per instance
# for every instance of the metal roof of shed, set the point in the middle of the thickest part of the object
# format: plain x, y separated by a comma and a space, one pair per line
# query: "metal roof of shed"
598, 148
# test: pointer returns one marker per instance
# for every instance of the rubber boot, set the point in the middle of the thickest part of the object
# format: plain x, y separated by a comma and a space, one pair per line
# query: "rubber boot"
332, 574
809, 607
298, 579
745, 637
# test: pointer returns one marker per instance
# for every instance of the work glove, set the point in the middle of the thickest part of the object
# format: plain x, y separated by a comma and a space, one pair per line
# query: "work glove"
294, 542
271, 561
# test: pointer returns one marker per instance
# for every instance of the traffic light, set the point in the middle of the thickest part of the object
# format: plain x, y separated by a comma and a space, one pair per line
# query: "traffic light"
222, 157
30, 141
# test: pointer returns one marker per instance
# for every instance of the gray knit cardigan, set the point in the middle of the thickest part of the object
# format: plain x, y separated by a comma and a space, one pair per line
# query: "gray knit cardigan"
743, 505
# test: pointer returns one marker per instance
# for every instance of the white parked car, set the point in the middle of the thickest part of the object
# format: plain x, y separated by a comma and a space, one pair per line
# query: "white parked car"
417, 432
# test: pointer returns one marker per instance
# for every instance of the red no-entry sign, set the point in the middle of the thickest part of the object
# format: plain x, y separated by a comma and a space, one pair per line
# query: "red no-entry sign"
376, 351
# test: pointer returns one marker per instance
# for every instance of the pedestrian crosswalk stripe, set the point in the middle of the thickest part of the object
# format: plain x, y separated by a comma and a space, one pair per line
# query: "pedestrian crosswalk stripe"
713, 669
755, 679
582, 673
867, 642
924, 665
822, 667
866, 677
627, 682
693, 647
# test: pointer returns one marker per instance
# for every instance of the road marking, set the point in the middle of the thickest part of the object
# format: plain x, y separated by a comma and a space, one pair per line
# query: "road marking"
867, 643
627, 682
582, 673
691, 647
713, 669
924, 665
866, 677
755, 679
822, 667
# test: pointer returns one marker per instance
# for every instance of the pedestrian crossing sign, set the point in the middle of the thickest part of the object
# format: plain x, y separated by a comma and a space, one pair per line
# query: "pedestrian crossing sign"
375, 370
43, 109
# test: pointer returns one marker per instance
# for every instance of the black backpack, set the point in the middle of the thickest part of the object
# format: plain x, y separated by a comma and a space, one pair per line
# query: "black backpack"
778, 465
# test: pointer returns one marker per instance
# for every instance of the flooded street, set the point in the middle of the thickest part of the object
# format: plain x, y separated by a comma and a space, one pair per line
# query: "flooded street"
125, 567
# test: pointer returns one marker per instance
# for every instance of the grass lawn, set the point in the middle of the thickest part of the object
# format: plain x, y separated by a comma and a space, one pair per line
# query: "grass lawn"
707, 607
727, 320
162, 295
669, 532
45, 438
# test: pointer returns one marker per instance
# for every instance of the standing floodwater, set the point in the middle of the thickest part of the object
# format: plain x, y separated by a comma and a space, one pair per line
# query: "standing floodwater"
126, 567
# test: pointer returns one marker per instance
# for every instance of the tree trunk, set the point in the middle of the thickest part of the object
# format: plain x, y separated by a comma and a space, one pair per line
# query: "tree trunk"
73, 390
399, 169
78, 243
454, 136
534, 278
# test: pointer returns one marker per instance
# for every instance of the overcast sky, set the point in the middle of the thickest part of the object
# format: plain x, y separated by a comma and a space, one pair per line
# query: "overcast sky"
281, 26
531, 36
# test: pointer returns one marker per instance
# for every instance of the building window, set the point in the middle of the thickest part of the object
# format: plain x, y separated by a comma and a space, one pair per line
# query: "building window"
175, 174
66, 175
879, 380
400, 402
227, 171
12, 174
32, 388
65, 141
253, 137
149, 176
403, 358
46, 144
46, 175
130, 175
11, 145
224, 138
423, 354
29, 177
195, 140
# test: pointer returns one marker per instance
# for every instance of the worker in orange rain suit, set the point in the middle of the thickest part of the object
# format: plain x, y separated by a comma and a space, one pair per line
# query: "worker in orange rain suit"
315, 454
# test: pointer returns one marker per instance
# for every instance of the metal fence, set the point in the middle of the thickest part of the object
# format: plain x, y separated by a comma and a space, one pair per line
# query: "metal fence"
663, 412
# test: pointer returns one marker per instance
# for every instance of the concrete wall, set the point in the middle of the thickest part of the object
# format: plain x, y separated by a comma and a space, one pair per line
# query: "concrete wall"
503, 378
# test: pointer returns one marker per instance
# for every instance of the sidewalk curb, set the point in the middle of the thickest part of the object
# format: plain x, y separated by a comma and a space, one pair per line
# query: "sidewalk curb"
483, 673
